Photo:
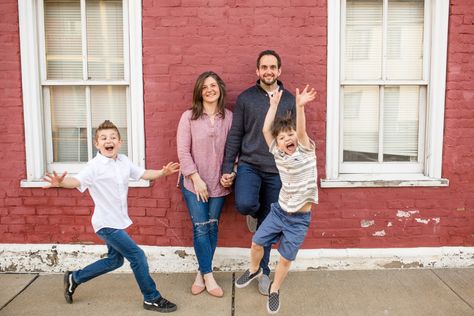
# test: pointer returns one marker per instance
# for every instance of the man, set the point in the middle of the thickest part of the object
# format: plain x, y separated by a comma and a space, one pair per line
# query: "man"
257, 182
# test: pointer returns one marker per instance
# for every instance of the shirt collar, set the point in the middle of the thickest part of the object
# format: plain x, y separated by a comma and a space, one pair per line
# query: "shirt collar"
280, 86
104, 160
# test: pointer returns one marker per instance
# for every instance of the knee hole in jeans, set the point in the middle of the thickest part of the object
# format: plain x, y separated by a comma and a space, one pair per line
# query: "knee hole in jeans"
203, 228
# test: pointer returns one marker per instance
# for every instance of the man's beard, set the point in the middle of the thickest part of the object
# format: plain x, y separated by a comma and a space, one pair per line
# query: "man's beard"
272, 81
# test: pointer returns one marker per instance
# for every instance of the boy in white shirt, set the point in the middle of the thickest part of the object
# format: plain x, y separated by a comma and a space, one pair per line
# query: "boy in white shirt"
106, 176
289, 218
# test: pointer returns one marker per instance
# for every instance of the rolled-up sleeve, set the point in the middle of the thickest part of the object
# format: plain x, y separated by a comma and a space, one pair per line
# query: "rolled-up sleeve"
183, 143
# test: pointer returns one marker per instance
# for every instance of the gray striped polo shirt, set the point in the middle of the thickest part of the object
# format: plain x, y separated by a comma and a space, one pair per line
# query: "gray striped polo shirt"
298, 177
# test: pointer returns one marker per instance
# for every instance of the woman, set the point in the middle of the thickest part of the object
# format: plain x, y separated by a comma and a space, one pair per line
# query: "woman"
202, 132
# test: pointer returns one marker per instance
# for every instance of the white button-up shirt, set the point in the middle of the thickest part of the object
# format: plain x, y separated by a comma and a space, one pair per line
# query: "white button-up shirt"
107, 181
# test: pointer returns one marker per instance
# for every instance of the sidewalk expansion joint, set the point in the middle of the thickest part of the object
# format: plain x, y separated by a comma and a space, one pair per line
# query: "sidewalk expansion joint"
452, 290
232, 310
21, 291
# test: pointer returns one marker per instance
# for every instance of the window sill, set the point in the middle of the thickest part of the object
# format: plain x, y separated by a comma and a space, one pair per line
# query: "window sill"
40, 184
383, 180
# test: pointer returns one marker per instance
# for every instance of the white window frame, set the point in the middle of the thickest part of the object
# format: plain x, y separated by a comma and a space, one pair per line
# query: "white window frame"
431, 173
33, 108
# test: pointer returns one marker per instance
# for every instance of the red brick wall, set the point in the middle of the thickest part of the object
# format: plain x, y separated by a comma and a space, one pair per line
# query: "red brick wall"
183, 38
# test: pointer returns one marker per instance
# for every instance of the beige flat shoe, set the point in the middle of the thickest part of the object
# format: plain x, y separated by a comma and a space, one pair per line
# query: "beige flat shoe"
217, 291
197, 289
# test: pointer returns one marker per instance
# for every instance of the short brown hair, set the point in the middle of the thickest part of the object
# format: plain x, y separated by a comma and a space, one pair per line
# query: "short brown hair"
283, 124
271, 53
106, 125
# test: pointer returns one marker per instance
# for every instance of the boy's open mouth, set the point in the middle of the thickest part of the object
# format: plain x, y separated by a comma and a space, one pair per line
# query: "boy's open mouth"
290, 146
109, 148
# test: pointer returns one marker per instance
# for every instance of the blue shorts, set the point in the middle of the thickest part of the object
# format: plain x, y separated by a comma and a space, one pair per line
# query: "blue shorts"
288, 228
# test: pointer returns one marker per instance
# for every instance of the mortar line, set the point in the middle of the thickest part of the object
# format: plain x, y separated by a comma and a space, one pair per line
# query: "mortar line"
460, 297
21, 291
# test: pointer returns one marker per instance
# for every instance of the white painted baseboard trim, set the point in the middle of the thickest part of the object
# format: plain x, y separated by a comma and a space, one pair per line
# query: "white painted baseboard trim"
57, 258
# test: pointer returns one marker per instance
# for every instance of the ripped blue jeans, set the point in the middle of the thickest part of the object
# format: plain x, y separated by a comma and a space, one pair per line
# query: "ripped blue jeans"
205, 218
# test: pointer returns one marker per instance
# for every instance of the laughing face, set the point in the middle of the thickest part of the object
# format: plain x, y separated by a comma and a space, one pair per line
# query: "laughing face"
108, 143
287, 141
268, 71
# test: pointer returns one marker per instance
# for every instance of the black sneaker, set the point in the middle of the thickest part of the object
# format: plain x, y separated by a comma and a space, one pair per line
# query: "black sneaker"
69, 286
161, 305
273, 303
247, 277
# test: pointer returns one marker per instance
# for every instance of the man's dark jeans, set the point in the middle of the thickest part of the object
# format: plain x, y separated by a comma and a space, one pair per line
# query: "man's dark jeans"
255, 191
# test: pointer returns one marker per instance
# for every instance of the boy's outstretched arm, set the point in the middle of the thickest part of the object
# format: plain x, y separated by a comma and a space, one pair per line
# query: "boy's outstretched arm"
301, 100
170, 168
270, 117
56, 181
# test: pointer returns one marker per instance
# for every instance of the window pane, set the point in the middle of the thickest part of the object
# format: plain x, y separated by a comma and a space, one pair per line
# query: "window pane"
68, 124
62, 20
105, 39
110, 103
361, 127
401, 107
363, 40
405, 39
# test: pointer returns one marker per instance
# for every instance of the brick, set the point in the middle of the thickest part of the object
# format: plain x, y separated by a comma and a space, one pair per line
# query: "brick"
157, 231
13, 219
48, 210
143, 203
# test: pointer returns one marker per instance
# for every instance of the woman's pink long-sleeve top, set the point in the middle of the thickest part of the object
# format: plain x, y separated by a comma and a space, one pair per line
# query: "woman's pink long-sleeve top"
201, 149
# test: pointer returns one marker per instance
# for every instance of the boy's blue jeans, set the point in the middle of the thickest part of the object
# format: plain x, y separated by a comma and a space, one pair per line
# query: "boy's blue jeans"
120, 246
205, 218
255, 191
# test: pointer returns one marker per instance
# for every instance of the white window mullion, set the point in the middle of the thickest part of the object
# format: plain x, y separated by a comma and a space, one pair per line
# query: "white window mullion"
47, 127
384, 39
384, 78
340, 117
422, 124
85, 71
90, 136
381, 123
85, 83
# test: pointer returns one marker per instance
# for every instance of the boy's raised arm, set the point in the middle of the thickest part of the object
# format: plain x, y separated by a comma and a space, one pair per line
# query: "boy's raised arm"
270, 117
56, 181
301, 100
170, 168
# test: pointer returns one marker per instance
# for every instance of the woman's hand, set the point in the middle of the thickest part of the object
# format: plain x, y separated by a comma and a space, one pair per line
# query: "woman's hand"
227, 179
200, 187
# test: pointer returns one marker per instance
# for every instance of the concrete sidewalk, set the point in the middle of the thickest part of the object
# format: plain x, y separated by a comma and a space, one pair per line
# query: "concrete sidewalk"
369, 292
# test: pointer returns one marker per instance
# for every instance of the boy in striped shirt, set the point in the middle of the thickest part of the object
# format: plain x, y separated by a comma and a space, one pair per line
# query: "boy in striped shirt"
289, 218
